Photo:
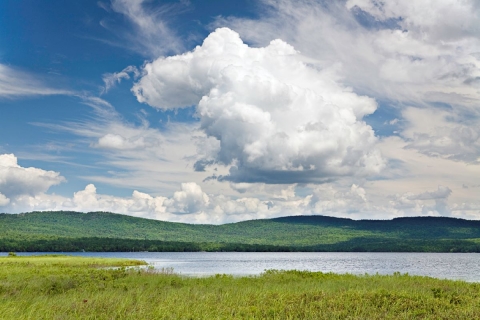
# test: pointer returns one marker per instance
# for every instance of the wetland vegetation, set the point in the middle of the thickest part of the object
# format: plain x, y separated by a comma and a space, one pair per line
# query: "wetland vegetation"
63, 287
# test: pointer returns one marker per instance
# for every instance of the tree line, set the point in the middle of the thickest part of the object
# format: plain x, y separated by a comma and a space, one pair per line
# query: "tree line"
99, 244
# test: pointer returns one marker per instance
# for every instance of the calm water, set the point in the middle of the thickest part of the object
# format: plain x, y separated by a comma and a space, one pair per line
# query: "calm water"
458, 266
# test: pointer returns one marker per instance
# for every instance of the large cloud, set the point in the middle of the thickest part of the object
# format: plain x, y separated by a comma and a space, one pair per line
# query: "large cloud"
275, 118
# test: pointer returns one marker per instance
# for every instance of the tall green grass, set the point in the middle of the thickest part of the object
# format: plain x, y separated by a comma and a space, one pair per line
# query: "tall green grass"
57, 287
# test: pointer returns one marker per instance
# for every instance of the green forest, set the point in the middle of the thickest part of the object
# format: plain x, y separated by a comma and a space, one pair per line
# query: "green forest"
102, 231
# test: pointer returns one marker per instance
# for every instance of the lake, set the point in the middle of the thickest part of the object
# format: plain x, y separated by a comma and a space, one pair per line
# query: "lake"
456, 266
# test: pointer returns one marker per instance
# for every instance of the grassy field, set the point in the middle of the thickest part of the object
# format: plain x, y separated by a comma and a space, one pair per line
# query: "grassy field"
59, 287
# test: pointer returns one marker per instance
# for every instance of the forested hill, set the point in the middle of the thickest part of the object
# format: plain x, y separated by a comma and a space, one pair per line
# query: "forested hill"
304, 233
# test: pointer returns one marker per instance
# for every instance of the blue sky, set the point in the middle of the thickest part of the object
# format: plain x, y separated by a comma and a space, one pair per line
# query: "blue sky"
221, 111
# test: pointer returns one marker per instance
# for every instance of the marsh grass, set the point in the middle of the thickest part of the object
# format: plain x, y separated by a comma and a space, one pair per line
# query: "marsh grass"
59, 287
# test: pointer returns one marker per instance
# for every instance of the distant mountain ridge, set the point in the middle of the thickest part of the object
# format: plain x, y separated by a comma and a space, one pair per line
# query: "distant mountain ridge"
295, 233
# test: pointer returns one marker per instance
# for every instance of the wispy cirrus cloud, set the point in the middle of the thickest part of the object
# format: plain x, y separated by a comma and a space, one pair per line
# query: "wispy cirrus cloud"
111, 79
15, 83
149, 32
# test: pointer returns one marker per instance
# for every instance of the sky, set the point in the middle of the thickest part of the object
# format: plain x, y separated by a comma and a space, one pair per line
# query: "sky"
223, 111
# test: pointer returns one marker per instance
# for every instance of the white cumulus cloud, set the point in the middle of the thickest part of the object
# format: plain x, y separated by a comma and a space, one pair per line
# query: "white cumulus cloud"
16, 180
189, 200
275, 117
